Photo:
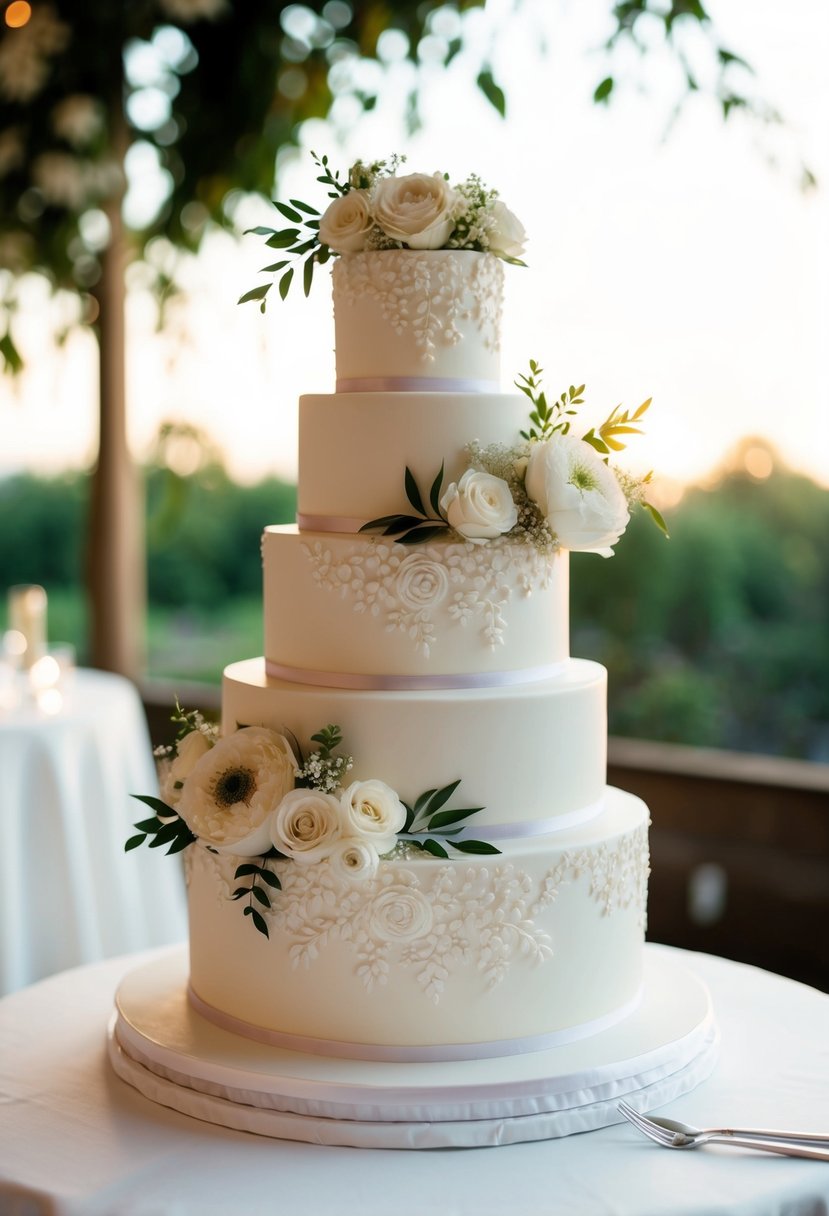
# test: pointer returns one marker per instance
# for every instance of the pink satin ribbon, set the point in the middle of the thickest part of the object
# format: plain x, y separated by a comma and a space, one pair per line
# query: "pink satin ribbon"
401, 683
414, 384
411, 1055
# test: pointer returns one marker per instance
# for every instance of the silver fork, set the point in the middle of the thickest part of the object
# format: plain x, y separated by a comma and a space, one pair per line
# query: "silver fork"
671, 1134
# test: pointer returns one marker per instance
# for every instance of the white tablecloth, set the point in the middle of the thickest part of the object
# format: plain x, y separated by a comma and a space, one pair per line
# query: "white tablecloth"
68, 892
76, 1140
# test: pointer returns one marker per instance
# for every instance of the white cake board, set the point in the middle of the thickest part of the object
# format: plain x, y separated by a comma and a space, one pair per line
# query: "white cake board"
162, 1047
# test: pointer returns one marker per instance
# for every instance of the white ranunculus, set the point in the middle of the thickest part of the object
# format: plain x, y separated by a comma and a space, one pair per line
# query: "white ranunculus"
421, 582
480, 506
416, 209
507, 237
354, 859
175, 771
371, 809
307, 825
233, 790
347, 222
577, 493
399, 914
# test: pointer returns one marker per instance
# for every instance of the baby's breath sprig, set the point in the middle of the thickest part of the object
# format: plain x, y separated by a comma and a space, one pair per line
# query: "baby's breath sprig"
323, 771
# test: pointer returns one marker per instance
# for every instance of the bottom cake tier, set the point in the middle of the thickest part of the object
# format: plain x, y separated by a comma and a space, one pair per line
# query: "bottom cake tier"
432, 959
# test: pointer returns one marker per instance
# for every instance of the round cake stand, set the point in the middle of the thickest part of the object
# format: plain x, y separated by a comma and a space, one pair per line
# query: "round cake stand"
162, 1047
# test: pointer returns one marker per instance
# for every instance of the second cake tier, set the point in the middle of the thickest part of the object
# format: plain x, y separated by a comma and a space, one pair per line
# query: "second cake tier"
533, 756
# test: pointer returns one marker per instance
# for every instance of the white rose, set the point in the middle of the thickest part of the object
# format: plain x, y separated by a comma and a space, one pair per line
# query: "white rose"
307, 825
399, 914
372, 809
421, 582
507, 237
416, 209
354, 859
480, 506
577, 493
232, 791
346, 224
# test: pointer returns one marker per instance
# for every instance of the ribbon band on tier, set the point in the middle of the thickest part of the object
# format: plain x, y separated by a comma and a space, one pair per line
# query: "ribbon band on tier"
415, 384
407, 683
434, 1053
522, 830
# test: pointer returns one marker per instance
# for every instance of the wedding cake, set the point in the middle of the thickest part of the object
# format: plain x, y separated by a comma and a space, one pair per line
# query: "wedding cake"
400, 846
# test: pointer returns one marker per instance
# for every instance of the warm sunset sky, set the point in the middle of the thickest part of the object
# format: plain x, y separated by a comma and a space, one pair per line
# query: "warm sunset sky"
678, 265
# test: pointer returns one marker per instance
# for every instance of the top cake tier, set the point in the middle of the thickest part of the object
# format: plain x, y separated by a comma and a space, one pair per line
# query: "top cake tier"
418, 321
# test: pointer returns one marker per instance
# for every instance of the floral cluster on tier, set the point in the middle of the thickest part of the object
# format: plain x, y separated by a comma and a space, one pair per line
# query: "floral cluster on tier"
251, 794
553, 489
376, 208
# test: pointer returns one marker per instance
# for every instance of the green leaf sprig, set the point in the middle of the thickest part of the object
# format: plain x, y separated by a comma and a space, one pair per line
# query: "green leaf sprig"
165, 827
301, 240
258, 874
414, 529
547, 419
426, 820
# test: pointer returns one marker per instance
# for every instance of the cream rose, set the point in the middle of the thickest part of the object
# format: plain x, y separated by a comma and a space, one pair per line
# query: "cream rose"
372, 809
189, 751
480, 506
354, 860
399, 914
232, 791
307, 825
416, 209
577, 493
347, 222
421, 582
507, 237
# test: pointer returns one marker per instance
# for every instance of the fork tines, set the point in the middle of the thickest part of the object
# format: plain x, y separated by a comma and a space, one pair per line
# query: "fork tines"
660, 1134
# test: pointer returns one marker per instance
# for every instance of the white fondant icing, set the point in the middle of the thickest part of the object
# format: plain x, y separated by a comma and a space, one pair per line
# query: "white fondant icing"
524, 753
371, 605
354, 448
433, 313
546, 936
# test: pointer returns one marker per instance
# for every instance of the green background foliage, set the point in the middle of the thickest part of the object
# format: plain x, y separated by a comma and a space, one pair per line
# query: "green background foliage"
716, 637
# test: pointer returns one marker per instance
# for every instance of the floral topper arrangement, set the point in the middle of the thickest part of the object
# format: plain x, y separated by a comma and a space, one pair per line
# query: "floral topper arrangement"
553, 490
251, 794
374, 208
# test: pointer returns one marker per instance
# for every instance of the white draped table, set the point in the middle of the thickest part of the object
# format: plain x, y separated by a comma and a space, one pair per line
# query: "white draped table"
77, 1141
68, 892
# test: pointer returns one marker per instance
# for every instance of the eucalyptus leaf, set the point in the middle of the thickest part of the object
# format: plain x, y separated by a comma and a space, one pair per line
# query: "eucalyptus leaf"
417, 536
441, 797
446, 818
434, 493
289, 213
255, 293
161, 808
413, 493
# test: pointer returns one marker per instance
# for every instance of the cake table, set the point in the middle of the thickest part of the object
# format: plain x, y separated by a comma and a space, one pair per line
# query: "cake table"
75, 1139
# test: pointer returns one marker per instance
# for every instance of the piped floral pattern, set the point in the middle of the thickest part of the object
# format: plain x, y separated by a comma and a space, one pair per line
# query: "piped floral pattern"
437, 919
437, 586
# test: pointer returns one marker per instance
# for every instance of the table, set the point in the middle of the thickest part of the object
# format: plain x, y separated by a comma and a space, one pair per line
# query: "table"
68, 892
75, 1140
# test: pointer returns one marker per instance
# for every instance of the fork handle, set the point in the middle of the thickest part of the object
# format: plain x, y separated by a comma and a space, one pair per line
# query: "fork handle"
755, 1133
786, 1148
